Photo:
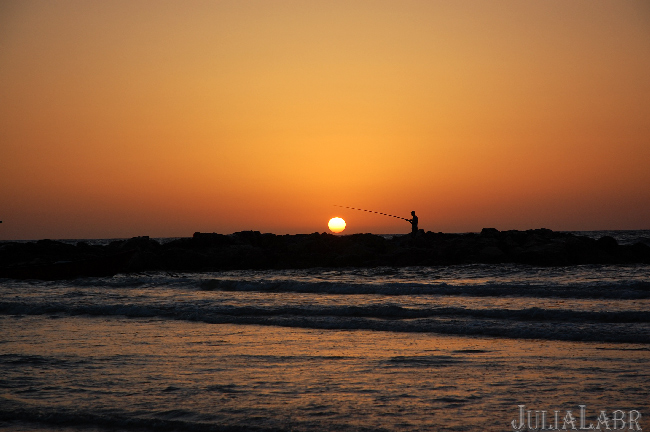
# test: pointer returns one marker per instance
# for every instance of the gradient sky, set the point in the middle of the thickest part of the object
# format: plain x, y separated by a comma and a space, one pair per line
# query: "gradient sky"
162, 118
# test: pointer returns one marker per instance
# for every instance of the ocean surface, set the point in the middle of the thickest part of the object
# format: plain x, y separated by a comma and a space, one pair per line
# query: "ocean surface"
455, 348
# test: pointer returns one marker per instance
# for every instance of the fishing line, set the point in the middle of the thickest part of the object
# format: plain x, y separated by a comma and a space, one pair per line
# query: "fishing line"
371, 211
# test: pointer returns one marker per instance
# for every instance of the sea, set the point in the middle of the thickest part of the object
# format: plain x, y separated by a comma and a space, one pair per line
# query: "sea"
449, 348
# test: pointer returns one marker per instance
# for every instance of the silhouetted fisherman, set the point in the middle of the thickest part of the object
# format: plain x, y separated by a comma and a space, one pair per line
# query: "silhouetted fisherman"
414, 223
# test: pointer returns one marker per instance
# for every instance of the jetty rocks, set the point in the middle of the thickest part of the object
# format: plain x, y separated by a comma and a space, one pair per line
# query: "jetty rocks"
48, 259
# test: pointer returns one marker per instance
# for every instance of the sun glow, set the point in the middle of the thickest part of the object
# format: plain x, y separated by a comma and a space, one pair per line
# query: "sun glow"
336, 224
385, 105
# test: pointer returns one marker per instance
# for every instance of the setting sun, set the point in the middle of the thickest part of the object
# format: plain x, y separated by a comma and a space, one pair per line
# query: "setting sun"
127, 118
336, 225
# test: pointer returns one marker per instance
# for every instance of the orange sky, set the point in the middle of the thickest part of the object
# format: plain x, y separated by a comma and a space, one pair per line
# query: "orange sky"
159, 118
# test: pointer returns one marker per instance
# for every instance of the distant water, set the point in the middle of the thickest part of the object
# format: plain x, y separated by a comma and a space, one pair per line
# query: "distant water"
396, 349
622, 236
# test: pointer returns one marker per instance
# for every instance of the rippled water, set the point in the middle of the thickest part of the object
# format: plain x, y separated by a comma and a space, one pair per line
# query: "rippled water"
422, 348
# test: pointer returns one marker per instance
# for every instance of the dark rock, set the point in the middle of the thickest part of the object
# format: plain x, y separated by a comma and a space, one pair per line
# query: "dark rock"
546, 254
185, 259
47, 259
210, 239
248, 237
142, 260
491, 254
638, 252
607, 243
143, 243
490, 232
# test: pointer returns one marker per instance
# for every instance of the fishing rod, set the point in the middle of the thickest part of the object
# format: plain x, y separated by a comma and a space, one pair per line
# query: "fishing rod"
371, 211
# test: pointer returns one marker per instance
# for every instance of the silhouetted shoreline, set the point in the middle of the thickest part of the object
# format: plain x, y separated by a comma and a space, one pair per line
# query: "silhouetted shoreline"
49, 259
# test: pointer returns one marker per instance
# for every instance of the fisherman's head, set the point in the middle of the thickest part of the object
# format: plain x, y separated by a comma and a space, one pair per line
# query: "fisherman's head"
413, 213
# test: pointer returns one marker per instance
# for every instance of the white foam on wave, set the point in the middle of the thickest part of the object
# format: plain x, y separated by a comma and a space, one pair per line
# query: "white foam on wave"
525, 323
592, 289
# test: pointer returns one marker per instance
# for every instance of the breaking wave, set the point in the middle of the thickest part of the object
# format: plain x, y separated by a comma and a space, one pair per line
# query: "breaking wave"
606, 290
536, 323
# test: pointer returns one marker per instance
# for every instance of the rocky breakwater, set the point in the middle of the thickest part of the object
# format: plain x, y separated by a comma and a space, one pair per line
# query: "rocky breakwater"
47, 259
